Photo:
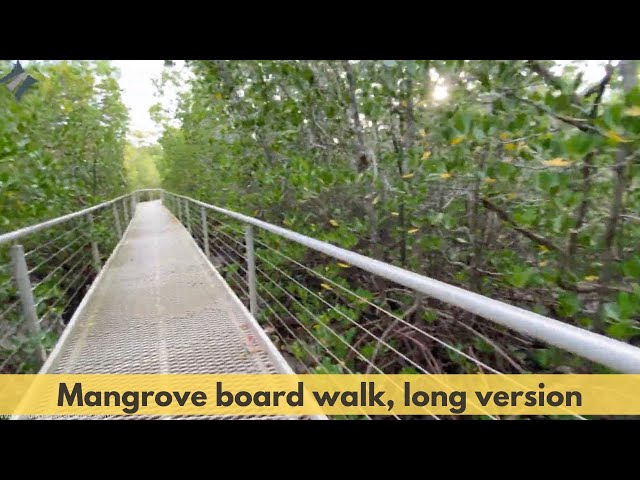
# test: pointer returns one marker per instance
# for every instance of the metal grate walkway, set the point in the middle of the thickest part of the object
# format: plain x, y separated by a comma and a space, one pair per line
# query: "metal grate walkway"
159, 307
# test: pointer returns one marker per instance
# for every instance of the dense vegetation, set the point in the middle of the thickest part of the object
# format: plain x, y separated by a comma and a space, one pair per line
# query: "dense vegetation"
522, 184
62, 144
140, 162
61, 150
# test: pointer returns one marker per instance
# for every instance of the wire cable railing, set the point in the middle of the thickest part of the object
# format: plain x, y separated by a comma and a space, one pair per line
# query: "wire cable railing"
45, 270
326, 323
614, 354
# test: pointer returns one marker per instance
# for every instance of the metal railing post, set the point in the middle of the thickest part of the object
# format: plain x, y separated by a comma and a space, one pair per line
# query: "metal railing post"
125, 209
94, 245
133, 205
186, 207
251, 270
162, 197
205, 231
179, 209
116, 217
21, 277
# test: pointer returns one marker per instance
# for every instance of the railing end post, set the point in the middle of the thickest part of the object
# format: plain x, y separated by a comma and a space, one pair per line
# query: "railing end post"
97, 265
251, 270
205, 232
25, 292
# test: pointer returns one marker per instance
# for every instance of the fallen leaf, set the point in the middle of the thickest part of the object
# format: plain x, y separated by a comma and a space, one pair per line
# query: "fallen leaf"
632, 112
489, 180
395, 214
344, 265
457, 140
504, 136
543, 248
325, 286
445, 176
615, 137
543, 263
333, 222
557, 162
413, 230
375, 200
591, 278
426, 155
423, 133
509, 146
407, 176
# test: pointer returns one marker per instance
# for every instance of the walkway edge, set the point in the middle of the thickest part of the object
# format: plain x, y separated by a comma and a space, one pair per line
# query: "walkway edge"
273, 353
74, 319
85, 300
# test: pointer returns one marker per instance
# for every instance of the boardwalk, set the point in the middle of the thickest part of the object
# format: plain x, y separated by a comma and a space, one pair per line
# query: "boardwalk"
159, 307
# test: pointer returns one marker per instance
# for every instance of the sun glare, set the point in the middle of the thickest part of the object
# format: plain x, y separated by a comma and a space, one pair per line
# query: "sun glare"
440, 92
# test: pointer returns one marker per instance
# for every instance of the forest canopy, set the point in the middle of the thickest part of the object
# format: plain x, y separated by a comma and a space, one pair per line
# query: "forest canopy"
62, 144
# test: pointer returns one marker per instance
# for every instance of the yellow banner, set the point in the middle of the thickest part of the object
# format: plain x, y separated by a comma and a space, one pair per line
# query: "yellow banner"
319, 394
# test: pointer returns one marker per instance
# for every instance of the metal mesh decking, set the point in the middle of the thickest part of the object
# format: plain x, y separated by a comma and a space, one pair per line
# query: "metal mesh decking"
159, 308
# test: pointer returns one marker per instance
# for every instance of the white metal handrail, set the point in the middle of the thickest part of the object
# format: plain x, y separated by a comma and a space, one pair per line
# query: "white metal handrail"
16, 234
23, 276
612, 353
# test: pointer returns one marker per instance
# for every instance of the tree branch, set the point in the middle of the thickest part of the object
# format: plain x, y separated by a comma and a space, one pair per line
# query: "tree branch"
363, 161
581, 125
587, 165
544, 72
600, 86
623, 161
505, 217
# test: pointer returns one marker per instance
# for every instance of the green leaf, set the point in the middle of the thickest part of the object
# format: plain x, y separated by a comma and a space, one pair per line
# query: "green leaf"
579, 143
568, 304
632, 98
631, 268
542, 357
612, 310
519, 277
621, 330
430, 316
628, 304
612, 116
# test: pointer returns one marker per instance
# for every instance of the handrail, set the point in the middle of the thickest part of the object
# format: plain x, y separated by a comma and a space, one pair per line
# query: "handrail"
16, 234
612, 353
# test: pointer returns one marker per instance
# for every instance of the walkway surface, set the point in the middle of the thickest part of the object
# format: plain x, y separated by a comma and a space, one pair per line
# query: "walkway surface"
159, 307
